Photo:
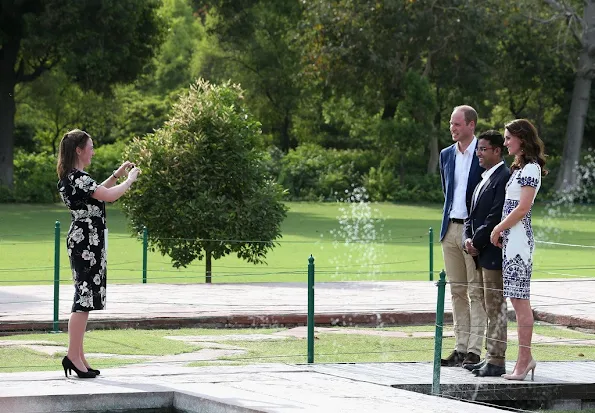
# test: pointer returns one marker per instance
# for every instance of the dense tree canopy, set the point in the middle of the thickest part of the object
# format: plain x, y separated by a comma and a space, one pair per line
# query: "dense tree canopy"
204, 192
347, 92
97, 44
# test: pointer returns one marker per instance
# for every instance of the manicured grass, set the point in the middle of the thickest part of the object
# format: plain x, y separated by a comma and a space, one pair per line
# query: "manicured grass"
400, 250
339, 348
329, 348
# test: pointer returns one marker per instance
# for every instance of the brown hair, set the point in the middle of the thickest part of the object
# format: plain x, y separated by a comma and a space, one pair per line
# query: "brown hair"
532, 148
67, 155
469, 113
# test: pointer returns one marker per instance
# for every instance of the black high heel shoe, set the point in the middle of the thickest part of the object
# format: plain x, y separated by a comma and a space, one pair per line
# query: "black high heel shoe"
69, 365
97, 372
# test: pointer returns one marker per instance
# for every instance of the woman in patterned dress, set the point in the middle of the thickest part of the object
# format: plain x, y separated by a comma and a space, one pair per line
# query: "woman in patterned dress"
517, 244
86, 237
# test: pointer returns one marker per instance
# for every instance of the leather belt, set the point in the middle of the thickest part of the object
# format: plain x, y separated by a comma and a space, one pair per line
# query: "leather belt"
457, 220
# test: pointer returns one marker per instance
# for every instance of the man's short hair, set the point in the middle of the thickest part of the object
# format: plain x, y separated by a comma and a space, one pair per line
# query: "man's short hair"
494, 137
469, 113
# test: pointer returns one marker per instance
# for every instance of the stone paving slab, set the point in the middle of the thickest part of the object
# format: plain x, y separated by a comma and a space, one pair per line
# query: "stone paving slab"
262, 388
567, 302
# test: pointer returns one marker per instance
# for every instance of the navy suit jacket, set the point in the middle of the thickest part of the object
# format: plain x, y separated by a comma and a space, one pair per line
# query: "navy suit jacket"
485, 214
447, 174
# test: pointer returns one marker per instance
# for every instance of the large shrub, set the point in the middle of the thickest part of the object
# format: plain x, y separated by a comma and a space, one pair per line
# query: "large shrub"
34, 178
382, 185
204, 191
311, 172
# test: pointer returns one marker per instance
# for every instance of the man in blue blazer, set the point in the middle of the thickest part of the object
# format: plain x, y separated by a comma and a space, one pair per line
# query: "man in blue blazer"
460, 173
486, 212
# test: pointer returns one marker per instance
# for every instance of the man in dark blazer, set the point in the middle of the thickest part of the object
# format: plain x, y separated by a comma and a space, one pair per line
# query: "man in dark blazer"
460, 173
486, 212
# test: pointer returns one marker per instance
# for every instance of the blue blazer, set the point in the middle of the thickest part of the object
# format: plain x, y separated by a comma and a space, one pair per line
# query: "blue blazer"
485, 214
447, 175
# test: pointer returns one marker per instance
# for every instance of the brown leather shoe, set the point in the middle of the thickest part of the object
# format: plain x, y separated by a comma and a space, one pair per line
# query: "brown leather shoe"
471, 358
453, 360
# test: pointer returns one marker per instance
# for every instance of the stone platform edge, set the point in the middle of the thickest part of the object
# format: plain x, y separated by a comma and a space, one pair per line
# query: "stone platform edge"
375, 319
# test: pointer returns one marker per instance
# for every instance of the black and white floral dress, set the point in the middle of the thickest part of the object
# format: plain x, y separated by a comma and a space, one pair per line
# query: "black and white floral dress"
518, 242
85, 240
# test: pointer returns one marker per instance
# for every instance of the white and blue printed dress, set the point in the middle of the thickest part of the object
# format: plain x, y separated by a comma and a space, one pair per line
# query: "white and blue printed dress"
85, 241
518, 242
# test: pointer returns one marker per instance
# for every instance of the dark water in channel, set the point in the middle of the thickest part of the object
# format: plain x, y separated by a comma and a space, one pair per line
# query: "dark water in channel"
162, 410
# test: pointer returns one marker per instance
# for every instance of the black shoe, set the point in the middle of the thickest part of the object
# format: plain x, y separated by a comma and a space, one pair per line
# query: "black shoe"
489, 370
97, 372
69, 365
472, 367
471, 358
454, 360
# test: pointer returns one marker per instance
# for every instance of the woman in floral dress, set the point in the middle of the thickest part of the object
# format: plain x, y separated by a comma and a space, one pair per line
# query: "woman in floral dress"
516, 231
86, 237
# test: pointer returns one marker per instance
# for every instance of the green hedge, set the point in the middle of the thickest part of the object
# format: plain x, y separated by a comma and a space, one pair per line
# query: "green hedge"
308, 173
311, 172
35, 176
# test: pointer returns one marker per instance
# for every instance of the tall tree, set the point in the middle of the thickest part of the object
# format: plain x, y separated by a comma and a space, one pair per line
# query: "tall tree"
366, 48
257, 38
97, 43
583, 31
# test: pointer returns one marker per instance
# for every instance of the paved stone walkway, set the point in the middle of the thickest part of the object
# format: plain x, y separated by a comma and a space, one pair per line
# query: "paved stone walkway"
262, 388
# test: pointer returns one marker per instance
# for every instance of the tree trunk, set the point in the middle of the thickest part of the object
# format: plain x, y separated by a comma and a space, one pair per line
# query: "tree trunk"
567, 177
433, 144
434, 154
8, 58
389, 110
402, 170
285, 138
208, 257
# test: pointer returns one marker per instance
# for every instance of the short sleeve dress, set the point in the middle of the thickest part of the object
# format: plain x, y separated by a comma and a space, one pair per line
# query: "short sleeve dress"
85, 240
518, 242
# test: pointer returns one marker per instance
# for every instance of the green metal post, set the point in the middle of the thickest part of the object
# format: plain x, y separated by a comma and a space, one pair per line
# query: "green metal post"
438, 335
311, 309
145, 246
431, 254
56, 275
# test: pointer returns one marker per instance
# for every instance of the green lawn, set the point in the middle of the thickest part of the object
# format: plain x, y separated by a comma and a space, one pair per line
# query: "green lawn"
399, 251
341, 347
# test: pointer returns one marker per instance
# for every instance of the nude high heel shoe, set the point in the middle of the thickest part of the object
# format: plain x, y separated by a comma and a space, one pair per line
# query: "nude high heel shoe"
530, 367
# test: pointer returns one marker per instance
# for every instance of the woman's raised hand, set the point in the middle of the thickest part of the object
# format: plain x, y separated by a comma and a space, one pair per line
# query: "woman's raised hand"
133, 173
124, 169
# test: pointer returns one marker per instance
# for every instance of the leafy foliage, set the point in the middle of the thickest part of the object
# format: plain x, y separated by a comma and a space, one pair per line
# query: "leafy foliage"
96, 44
35, 178
258, 49
204, 190
311, 172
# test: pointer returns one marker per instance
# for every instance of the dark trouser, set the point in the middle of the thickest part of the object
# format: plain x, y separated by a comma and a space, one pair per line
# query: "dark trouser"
496, 310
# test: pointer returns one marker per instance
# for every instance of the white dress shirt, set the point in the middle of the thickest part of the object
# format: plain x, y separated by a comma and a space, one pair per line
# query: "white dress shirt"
463, 162
485, 176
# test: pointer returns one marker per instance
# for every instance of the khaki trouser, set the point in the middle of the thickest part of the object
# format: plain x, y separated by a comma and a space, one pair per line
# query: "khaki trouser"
466, 287
496, 310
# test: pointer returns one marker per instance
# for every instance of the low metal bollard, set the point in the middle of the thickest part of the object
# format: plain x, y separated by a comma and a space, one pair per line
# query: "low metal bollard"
438, 334
311, 309
55, 328
145, 247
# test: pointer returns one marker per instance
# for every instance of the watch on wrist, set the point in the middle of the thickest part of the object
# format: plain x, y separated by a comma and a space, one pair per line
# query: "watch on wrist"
114, 174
